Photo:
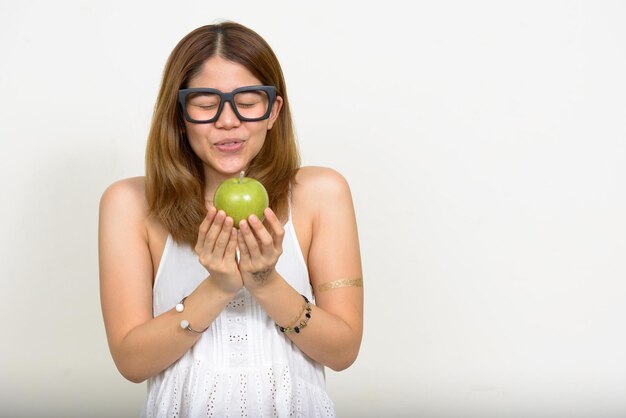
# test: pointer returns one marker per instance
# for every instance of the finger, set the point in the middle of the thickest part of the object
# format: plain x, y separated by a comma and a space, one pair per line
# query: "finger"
278, 231
204, 228
262, 235
249, 239
214, 230
222, 239
231, 248
244, 253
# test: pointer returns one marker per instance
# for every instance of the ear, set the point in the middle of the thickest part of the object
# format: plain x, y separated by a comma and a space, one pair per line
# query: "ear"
278, 104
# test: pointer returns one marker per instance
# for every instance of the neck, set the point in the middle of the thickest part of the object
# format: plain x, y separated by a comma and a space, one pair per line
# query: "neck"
210, 187
212, 180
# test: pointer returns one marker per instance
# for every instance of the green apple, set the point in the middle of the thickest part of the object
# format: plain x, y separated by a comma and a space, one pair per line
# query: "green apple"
241, 197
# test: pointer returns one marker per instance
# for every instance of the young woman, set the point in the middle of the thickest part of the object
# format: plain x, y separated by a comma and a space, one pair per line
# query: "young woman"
225, 319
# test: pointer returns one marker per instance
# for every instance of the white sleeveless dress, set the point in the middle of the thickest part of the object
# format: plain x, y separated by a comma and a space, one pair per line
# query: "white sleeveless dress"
242, 366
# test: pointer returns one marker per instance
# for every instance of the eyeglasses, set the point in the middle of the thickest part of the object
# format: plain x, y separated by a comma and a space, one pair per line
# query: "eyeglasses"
204, 105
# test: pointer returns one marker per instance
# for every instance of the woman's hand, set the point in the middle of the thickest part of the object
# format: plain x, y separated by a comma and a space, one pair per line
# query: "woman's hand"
216, 248
259, 249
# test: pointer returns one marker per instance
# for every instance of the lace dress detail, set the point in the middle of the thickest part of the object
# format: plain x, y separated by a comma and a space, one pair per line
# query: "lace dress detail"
242, 366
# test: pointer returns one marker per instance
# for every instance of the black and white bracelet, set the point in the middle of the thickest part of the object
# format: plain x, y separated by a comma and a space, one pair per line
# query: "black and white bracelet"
302, 323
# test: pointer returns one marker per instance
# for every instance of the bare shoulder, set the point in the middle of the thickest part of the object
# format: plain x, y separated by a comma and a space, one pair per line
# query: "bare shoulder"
126, 195
130, 191
321, 197
123, 203
320, 183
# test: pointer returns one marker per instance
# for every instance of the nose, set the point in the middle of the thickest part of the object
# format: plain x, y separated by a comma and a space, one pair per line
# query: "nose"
227, 119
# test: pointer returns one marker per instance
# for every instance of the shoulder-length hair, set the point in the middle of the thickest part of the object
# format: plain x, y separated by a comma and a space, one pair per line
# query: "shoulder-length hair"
174, 174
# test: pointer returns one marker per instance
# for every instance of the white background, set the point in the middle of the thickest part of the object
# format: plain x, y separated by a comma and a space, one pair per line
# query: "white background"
485, 146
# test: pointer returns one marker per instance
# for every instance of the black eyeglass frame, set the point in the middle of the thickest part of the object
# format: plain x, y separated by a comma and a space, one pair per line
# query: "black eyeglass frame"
227, 97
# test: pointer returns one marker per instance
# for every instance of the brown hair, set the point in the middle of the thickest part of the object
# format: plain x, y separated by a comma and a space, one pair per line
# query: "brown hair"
174, 174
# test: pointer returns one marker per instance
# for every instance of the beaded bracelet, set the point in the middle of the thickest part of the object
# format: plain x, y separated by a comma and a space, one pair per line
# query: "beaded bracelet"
184, 324
302, 323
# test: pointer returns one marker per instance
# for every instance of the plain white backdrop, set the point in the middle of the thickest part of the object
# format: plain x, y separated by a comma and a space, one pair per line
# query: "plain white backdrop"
485, 144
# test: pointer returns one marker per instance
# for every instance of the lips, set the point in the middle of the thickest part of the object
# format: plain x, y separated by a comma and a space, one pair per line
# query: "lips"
229, 145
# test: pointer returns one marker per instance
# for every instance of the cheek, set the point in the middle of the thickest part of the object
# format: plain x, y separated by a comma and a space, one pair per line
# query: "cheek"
260, 136
195, 139
195, 146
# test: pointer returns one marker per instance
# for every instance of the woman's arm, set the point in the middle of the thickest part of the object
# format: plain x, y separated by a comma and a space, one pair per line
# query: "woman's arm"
333, 334
141, 345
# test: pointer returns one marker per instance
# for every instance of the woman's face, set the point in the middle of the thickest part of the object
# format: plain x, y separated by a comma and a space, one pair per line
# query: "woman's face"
227, 145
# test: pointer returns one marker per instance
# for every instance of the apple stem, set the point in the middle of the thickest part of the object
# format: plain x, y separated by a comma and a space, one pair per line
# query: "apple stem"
241, 176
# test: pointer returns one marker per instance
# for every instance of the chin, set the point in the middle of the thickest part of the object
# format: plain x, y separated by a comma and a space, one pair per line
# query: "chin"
231, 171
